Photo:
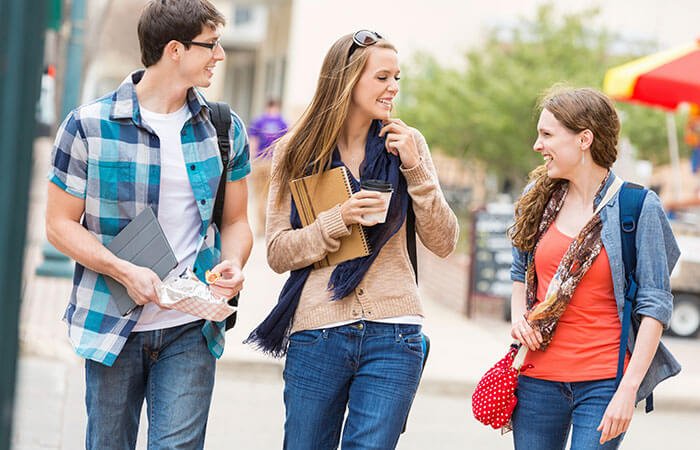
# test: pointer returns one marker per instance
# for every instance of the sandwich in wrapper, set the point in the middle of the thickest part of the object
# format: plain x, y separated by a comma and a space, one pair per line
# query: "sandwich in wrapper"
190, 295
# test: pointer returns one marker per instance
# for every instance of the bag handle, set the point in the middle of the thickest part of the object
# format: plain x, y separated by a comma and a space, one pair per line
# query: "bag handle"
519, 358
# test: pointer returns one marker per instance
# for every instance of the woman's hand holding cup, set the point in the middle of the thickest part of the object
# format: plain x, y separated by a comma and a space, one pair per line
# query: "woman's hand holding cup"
361, 203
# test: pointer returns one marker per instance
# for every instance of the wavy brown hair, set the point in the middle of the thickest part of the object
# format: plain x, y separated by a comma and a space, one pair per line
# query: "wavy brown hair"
577, 110
310, 143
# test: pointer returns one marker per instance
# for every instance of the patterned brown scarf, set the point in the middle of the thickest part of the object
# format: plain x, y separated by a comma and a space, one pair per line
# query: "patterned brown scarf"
579, 257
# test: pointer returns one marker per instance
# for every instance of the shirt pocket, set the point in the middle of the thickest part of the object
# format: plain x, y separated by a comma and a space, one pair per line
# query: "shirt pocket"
116, 170
112, 181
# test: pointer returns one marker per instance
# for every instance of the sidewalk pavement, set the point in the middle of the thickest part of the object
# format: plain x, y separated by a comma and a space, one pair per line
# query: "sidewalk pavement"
462, 349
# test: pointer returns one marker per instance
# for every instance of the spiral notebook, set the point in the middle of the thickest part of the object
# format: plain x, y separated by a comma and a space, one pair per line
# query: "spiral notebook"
320, 192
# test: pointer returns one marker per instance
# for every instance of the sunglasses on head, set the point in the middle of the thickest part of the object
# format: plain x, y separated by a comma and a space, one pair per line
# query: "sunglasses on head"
363, 38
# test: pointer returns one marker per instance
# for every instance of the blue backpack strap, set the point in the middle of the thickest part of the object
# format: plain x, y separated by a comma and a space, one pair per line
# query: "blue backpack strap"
631, 200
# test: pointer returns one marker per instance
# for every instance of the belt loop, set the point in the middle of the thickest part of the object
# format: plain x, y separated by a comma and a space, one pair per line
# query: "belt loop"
159, 334
397, 332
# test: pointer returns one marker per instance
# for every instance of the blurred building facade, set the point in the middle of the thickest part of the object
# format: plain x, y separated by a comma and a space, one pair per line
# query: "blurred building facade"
255, 41
274, 48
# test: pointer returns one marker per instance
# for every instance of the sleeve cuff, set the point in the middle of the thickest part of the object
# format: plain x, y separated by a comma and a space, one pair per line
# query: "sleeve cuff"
331, 222
239, 173
416, 175
517, 276
55, 179
655, 303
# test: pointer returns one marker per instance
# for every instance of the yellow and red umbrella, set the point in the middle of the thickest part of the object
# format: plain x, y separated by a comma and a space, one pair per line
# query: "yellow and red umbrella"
663, 80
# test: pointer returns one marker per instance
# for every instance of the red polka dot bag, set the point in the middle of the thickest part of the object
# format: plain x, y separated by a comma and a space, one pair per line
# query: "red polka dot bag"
494, 398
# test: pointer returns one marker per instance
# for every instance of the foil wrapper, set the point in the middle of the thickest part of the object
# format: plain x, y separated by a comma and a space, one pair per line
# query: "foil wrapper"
188, 294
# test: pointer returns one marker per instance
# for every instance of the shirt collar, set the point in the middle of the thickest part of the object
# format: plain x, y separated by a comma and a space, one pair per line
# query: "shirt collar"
125, 104
602, 192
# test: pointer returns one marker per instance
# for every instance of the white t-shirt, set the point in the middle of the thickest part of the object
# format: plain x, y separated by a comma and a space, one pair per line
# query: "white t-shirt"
401, 320
177, 212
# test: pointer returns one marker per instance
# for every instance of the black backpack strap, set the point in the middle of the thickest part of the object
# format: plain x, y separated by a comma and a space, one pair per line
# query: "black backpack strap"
411, 237
221, 118
413, 256
220, 114
631, 201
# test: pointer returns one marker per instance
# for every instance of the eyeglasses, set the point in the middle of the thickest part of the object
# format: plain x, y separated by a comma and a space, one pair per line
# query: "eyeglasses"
363, 38
209, 45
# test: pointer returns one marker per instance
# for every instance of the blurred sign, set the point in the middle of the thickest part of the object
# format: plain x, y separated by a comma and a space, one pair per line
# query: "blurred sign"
491, 254
458, 197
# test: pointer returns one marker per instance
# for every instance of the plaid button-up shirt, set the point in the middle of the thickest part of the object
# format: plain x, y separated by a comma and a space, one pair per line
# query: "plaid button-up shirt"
106, 155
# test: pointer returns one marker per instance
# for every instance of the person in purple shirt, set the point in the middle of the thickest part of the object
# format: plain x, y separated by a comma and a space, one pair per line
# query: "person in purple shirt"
264, 130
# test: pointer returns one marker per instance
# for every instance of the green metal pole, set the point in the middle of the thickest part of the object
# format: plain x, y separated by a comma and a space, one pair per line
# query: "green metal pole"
54, 263
74, 60
21, 54
55, 12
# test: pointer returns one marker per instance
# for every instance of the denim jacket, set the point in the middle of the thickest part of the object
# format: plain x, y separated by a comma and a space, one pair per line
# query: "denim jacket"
657, 253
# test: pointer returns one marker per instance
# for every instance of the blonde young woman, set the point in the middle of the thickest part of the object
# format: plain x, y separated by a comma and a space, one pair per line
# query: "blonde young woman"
351, 333
559, 240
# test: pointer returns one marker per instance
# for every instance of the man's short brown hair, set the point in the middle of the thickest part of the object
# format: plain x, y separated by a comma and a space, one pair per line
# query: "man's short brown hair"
163, 21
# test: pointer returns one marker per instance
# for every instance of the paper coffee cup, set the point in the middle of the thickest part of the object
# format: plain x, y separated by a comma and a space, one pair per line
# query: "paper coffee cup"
385, 189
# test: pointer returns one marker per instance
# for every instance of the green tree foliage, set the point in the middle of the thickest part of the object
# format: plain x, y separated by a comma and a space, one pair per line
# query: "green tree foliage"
488, 111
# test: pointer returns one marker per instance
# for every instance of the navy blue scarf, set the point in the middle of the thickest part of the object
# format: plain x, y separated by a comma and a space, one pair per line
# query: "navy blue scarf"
272, 335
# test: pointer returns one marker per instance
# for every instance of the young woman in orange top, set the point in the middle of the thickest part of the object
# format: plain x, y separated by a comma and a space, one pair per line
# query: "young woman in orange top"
567, 252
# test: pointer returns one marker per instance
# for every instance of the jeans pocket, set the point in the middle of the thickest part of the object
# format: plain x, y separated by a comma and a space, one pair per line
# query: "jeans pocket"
413, 343
306, 337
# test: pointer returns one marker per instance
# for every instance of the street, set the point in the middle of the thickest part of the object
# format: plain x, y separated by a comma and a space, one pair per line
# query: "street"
247, 413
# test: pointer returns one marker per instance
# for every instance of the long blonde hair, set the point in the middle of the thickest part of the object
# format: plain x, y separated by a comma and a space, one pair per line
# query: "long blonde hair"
578, 110
310, 143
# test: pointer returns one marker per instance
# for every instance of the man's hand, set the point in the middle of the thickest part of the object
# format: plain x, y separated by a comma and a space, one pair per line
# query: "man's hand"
141, 283
64, 231
231, 281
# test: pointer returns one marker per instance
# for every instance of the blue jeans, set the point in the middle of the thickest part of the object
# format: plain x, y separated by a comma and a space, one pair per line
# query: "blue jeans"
173, 369
372, 368
547, 410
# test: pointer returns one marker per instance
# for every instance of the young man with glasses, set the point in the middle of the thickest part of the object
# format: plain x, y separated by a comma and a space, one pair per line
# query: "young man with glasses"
150, 143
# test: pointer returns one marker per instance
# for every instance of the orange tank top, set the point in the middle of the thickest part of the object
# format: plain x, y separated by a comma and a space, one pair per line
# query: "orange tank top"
586, 341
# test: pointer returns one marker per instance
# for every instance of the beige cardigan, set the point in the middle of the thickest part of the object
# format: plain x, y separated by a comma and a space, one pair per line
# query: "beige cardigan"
388, 288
